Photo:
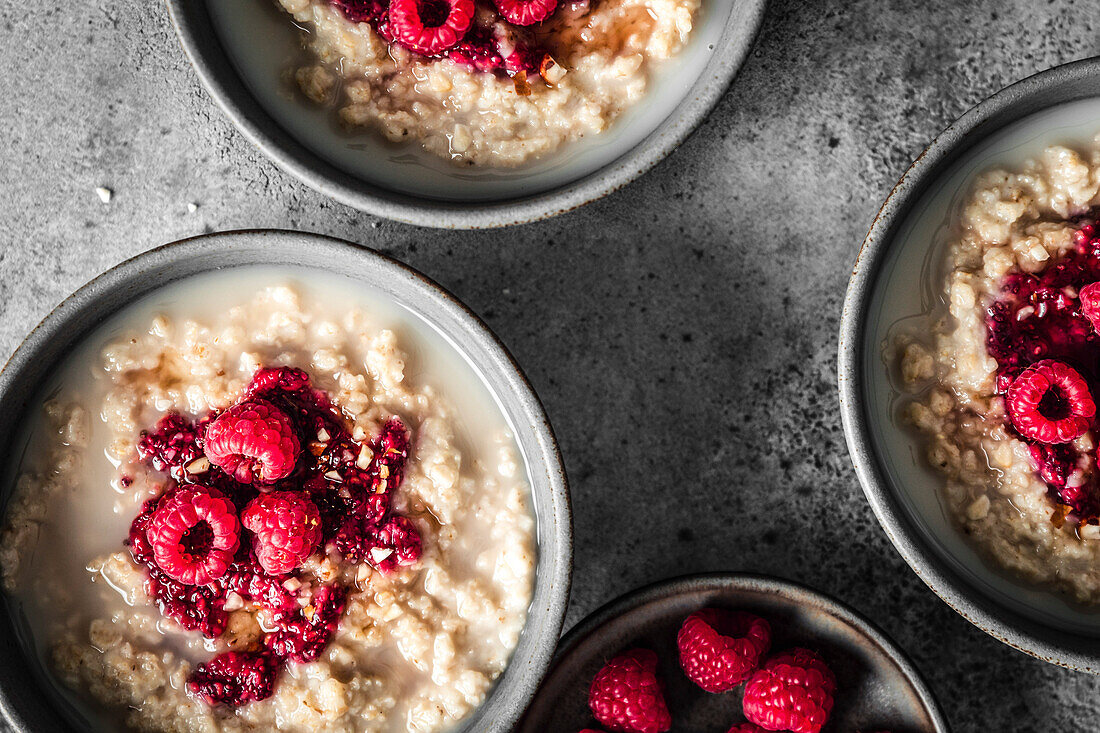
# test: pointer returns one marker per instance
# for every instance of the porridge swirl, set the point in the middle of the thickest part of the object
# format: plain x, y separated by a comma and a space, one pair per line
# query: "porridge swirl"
507, 88
311, 549
1005, 387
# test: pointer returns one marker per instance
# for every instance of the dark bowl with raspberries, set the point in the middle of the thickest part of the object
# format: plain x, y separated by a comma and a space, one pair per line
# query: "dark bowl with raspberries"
249, 500
730, 652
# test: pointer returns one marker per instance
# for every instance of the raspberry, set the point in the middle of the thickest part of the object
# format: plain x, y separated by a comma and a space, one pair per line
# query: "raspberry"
1090, 304
430, 27
1050, 402
526, 12
194, 534
303, 637
287, 529
720, 649
793, 691
253, 442
746, 728
360, 11
627, 697
233, 678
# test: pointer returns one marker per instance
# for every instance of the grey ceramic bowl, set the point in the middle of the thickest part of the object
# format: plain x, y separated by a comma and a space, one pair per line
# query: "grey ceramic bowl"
893, 264
26, 706
880, 689
687, 94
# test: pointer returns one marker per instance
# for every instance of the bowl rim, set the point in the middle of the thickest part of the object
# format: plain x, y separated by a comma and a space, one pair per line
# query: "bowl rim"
987, 117
202, 48
765, 584
546, 619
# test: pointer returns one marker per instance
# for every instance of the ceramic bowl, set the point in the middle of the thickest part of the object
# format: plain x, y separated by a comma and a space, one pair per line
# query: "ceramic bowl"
879, 688
895, 277
358, 172
24, 701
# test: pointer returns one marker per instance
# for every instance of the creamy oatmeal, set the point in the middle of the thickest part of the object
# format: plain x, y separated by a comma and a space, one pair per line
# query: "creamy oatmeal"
1005, 378
405, 631
507, 89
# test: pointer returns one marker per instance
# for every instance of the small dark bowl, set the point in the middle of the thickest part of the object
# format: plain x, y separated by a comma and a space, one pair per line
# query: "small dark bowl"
878, 687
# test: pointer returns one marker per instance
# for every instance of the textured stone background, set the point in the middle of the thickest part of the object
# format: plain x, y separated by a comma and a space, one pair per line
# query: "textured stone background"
681, 332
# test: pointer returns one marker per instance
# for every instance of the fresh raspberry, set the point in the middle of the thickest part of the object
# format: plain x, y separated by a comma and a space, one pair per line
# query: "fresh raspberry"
430, 27
254, 442
720, 649
627, 697
194, 534
1050, 402
1090, 304
287, 529
793, 691
526, 12
360, 11
746, 728
233, 678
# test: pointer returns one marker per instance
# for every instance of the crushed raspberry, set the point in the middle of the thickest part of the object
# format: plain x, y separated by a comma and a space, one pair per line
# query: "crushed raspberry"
286, 529
526, 12
627, 697
333, 491
1050, 402
303, 637
430, 27
361, 11
173, 445
253, 442
194, 534
1040, 320
720, 649
234, 678
793, 691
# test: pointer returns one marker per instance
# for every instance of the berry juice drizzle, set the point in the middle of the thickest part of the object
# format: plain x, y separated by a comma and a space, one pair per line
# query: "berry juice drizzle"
351, 484
1041, 319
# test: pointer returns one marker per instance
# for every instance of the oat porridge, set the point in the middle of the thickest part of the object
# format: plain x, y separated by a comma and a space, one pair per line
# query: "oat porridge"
486, 82
271, 506
1004, 380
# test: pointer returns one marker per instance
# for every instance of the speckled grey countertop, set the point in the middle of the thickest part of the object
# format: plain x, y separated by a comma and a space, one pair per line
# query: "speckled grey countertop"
682, 332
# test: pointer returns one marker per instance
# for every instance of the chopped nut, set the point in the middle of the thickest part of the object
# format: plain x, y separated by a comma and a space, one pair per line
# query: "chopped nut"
551, 70
199, 465
323, 436
334, 476
378, 554
366, 455
233, 601
520, 81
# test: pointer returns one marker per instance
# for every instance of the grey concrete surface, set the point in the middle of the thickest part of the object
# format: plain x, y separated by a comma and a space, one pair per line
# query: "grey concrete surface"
682, 332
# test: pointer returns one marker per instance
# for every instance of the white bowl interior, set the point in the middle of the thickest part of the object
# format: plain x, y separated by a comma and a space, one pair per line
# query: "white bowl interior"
406, 168
909, 284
